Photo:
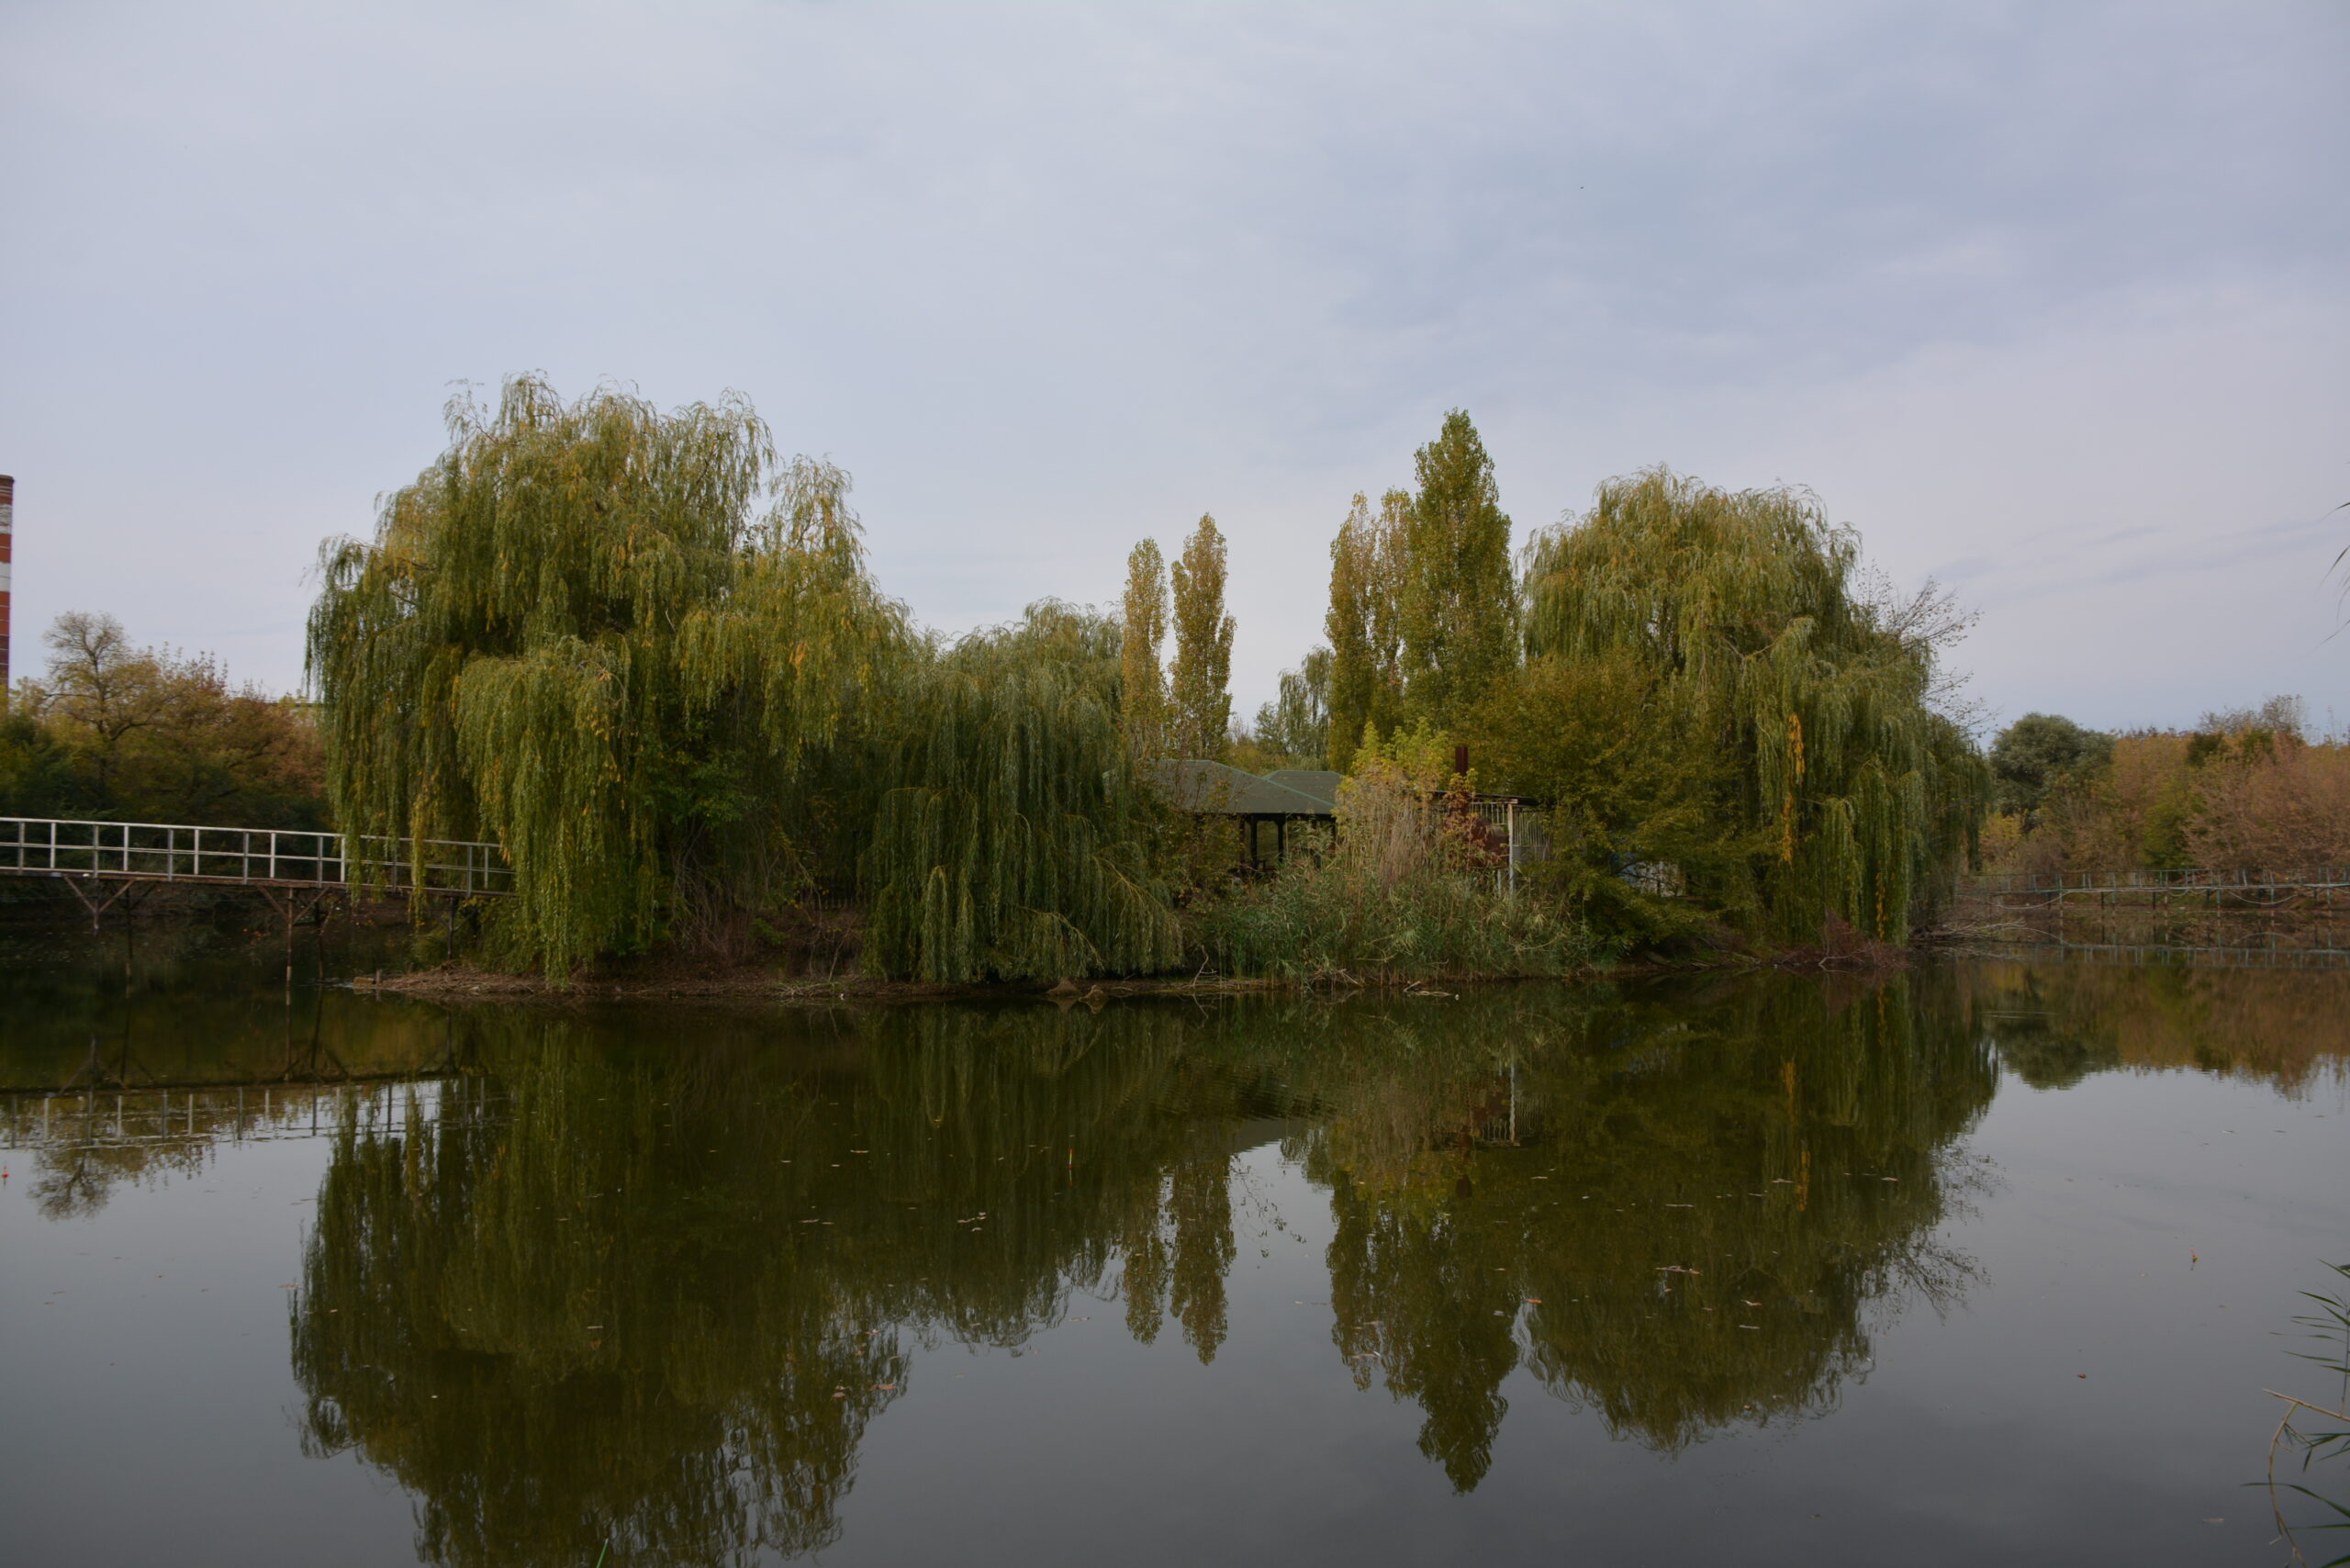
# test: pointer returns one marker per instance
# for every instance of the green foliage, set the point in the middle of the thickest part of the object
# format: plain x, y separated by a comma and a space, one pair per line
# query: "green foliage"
35, 776
1458, 607
1142, 629
1406, 891
569, 635
1294, 731
1016, 844
115, 731
1836, 788
2041, 752
1424, 608
1364, 623
1417, 757
1626, 777
1201, 688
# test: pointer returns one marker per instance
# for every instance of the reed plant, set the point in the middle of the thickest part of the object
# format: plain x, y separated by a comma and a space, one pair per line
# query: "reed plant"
2319, 1431
1401, 892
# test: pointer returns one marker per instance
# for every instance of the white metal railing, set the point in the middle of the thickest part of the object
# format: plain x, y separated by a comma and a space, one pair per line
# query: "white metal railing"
2311, 879
254, 857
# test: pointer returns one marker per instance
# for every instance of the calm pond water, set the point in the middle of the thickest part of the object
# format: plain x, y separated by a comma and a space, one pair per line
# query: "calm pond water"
1987, 1262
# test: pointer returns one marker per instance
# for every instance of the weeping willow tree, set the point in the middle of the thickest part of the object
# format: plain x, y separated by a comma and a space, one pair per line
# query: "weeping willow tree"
1838, 788
572, 634
1014, 841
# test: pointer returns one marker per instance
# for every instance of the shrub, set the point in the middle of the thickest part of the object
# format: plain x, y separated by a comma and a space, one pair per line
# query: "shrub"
1404, 892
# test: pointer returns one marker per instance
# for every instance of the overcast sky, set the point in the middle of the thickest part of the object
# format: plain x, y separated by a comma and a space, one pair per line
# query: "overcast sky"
2052, 300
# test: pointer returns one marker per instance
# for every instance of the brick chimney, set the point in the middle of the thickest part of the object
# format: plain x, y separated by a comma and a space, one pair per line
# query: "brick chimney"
8, 529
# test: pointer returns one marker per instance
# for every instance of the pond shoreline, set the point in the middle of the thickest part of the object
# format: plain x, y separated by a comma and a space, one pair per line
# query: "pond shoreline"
455, 982
460, 982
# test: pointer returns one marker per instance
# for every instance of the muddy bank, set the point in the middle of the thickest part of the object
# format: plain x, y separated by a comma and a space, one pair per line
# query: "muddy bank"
454, 984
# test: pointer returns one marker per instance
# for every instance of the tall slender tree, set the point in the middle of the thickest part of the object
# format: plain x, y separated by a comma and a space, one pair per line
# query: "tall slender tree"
1460, 606
1364, 623
1142, 699
1202, 688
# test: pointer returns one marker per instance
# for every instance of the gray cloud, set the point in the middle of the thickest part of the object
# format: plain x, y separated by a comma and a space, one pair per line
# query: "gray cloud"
2005, 284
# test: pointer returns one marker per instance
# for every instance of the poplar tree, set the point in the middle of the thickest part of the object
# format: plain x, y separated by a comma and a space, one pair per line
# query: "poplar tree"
1202, 696
1364, 624
1459, 598
1142, 698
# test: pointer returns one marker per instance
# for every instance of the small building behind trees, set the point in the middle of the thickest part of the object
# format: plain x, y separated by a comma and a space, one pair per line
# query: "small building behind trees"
1262, 808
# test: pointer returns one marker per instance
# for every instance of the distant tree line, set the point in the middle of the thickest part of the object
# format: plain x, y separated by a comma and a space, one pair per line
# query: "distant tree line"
114, 731
2245, 789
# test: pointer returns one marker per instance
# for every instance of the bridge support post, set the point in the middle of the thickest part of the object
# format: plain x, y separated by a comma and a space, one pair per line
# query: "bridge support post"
96, 906
291, 908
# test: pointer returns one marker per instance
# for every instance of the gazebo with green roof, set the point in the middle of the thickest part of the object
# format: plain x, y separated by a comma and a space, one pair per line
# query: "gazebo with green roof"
1263, 806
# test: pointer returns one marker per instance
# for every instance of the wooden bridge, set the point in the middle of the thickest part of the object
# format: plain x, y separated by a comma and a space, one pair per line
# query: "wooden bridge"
107, 863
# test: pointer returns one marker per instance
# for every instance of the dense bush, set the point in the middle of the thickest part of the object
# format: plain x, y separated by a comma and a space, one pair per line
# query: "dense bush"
123, 733
1406, 891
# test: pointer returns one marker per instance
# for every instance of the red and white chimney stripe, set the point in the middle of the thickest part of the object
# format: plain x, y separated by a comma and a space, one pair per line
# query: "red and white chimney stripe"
7, 531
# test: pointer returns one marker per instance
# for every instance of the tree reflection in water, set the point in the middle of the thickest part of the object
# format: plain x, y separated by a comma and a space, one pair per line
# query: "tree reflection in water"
1700, 1199
645, 1278
623, 1286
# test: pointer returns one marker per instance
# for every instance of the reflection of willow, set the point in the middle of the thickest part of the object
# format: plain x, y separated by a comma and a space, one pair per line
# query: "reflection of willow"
1701, 1200
651, 1293
652, 1296
2055, 1024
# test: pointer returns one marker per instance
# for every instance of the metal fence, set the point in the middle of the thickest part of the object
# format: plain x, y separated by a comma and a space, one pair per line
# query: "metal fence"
131, 1118
2162, 955
2192, 880
1512, 831
249, 857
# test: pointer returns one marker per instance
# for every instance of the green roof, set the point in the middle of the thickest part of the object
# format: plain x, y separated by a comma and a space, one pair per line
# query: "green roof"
1195, 784
1314, 781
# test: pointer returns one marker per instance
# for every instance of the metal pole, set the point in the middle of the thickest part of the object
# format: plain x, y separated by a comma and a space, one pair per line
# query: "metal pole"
7, 542
1510, 810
